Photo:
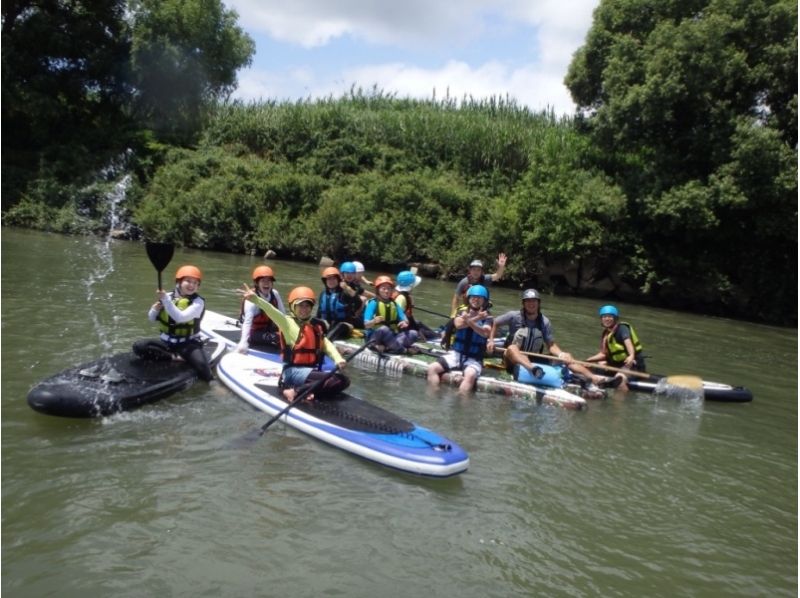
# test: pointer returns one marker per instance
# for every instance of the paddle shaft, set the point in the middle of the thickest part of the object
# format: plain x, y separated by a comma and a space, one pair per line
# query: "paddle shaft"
589, 364
433, 313
317, 385
160, 255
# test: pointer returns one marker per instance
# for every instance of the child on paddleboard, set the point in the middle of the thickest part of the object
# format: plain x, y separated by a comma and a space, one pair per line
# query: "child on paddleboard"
386, 321
407, 281
178, 314
338, 304
303, 346
472, 325
620, 346
258, 329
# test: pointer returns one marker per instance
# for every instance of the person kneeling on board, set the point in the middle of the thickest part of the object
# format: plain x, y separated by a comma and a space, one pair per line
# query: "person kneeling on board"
386, 322
303, 345
178, 314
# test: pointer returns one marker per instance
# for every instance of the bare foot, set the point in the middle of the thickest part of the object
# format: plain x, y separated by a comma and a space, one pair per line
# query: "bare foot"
289, 394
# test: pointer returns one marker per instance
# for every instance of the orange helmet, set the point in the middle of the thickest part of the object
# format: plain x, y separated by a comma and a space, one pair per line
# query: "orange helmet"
185, 271
383, 280
331, 272
298, 294
262, 271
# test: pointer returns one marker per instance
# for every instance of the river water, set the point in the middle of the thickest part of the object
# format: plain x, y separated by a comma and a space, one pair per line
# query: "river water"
636, 496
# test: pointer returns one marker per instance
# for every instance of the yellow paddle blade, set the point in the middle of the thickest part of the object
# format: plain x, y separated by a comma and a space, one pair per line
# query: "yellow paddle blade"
684, 381
356, 333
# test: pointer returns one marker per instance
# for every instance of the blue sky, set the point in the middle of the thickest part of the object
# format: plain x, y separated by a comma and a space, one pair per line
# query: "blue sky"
413, 48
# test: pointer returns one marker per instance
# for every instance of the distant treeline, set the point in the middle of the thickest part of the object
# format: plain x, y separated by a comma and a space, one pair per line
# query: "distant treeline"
676, 184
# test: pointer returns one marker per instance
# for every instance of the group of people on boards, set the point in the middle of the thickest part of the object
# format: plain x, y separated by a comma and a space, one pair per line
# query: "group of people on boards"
345, 307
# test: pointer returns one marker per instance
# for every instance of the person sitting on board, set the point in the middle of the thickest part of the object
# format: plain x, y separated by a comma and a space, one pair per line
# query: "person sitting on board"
337, 305
476, 275
178, 314
386, 321
407, 281
620, 346
303, 345
352, 287
473, 325
530, 332
258, 330
362, 280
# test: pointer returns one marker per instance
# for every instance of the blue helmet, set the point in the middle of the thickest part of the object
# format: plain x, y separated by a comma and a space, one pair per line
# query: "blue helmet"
347, 268
608, 310
478, 290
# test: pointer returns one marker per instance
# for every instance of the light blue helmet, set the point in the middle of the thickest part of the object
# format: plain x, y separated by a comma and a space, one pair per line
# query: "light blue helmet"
407, 280
608, 310
347, 268
478, 290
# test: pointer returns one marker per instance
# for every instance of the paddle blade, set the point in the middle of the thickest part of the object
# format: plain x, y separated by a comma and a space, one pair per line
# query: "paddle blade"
160, 254
247, 440
690, 382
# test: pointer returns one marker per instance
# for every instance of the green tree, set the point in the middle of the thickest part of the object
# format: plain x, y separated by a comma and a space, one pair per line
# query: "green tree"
184, 58
83, 80
64, 88
674, 94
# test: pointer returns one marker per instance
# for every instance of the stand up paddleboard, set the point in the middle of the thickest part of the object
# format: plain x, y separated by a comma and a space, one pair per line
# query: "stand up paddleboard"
346, 422
113, 384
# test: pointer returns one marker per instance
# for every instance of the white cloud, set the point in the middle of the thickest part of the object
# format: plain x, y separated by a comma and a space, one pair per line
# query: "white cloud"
556, 30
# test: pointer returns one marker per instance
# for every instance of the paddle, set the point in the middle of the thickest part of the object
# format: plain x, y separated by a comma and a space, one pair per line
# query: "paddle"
160, 255
433, 313
685, 381
256, 434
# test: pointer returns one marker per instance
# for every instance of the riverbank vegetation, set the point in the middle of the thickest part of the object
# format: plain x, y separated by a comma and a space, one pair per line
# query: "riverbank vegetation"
675, 184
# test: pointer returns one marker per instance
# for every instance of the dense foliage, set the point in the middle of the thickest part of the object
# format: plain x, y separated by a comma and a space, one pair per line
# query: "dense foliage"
691, 106
676, 184
83, 81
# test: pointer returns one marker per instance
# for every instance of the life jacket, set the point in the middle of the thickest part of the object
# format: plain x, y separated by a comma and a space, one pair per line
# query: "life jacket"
450, 328
388, 311
616, 350
307, 350
469, 343
409, 307
534, 340
261, 320
331, 307
179, 333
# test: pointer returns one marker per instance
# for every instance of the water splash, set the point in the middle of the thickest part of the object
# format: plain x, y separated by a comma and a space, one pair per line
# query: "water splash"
104, 262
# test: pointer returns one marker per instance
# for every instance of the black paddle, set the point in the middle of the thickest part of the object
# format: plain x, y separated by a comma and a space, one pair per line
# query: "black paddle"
256, 434
160, 255
433, 313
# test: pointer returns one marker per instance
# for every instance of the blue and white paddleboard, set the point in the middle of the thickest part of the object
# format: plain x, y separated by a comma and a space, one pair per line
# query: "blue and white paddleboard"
346, 422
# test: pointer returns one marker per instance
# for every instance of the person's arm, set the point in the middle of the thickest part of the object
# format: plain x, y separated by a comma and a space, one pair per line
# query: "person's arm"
279, 301
287, 326
402, 318
501, 267
250, 309
370, 319
332, 352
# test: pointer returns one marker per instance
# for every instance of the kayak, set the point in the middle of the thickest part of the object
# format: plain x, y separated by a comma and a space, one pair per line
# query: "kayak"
346, 422
712, 391
417, 365
114, 384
